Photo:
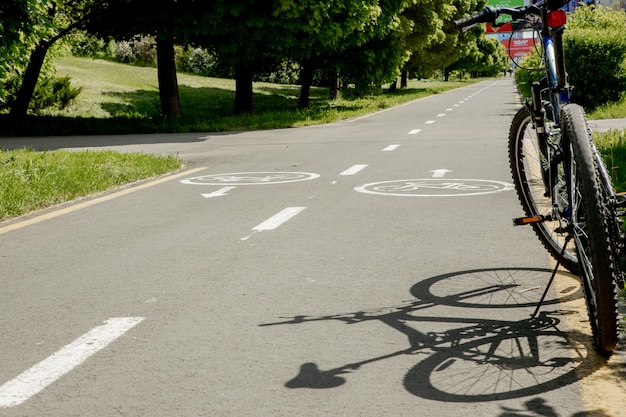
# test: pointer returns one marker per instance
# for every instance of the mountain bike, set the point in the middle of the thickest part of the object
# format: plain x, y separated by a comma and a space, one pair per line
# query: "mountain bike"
560, 178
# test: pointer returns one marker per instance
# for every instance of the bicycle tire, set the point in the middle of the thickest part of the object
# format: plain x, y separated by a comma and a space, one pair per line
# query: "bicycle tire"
525, 158
613, 217
591, 230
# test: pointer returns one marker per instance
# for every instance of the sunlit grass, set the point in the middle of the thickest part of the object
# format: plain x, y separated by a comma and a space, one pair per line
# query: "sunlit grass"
118, 98
31, 180
612, 146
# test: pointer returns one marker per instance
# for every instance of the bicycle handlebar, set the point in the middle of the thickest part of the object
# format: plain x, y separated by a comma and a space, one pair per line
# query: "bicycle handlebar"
490, 14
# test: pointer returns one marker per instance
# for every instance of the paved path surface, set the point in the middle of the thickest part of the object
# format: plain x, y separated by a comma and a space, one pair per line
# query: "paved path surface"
363, 268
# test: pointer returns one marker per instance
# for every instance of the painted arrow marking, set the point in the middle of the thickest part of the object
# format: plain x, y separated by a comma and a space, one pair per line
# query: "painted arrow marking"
219, 193
439, 173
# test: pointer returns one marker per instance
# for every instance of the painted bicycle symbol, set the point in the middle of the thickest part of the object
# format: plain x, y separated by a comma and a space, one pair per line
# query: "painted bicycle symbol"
435, 187
250, 178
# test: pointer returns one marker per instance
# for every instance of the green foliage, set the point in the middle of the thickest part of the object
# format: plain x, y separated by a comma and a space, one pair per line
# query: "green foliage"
612, 146
50, 93
140, 50
31, 180
21, 22
485, 60
528, 72
595, 55
82, 44
123, 99
56, 92
432, 45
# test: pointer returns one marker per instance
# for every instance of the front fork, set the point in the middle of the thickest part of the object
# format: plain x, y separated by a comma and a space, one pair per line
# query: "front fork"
551, 151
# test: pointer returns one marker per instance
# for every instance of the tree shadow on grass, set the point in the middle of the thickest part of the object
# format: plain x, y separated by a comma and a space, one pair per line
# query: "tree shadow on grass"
205, 109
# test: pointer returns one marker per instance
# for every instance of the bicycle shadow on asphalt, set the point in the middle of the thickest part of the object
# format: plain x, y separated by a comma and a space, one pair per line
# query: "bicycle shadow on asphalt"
539, 407
479, 359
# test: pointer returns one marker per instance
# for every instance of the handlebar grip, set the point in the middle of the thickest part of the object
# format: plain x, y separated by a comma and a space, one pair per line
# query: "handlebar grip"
488, 14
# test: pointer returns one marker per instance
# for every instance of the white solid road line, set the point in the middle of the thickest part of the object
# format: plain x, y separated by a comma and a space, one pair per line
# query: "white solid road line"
35, 379
353, 170
278, 219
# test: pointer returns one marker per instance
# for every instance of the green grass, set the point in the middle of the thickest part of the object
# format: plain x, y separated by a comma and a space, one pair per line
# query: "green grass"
31, 180
612, 146
616, 110
118, 98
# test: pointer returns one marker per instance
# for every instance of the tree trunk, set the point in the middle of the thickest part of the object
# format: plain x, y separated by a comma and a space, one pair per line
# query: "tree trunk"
18, 112
306, 79
168, 83
394, 85
404, 80
335, 87
243, 85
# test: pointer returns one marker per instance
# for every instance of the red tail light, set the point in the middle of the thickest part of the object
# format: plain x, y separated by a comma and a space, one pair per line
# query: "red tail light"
556, 18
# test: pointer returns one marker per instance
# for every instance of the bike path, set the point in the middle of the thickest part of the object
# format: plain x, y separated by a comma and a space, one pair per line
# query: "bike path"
341, 302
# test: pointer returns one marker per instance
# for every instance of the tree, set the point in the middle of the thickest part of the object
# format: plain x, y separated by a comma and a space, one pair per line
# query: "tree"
433, 45
45, 22
51, 20
240, 33
167, 20
314, 30
380, 58
18, 23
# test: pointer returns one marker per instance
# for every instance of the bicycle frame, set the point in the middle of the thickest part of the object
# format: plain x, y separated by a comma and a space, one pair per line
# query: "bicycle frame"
559, 175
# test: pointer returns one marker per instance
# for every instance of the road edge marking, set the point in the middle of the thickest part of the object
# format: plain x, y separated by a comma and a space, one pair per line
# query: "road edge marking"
20, 224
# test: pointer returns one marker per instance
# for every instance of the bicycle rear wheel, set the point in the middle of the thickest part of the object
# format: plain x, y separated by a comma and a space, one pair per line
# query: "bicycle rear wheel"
598, 269
528, 158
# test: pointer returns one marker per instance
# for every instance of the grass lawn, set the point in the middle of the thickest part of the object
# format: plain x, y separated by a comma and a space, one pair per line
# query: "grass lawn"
118, 98
31, 180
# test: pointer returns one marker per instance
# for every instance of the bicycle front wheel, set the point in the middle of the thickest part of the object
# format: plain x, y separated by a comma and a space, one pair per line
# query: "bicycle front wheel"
591, 230
528, 157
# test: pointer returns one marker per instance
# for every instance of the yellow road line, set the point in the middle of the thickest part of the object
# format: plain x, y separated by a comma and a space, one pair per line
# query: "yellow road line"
75, 207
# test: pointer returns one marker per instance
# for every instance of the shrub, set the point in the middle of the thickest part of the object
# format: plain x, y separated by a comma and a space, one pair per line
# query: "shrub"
86, 45
53, 92
140, 51
124, 52
595, 55
528, 72
200, 62
145, 50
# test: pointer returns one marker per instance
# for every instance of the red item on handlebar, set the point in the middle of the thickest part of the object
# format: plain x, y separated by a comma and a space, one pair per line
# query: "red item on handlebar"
556, 18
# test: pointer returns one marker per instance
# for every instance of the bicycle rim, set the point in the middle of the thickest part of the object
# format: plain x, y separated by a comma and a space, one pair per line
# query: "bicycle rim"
526, 156
590, 225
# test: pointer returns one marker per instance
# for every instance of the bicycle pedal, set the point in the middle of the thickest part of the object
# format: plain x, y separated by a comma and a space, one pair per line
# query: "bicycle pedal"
522, 221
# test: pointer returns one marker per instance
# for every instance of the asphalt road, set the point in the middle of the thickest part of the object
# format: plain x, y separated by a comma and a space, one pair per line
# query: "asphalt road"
363, 268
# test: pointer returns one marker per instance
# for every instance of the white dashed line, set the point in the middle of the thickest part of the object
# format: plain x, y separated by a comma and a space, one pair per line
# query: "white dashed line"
35, 379
429, 122
353, 170
414, 131
278, 219
391, 148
